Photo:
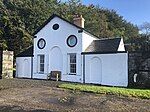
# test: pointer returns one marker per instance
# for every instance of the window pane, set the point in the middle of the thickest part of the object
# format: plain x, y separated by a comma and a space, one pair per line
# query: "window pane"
41, 67
41, 44
41, 63
41, 58
72, 70
72, 58
72, 66
72, 63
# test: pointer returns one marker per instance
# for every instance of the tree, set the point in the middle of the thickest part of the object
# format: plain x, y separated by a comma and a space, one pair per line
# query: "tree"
20, 18
145, 28
145, 36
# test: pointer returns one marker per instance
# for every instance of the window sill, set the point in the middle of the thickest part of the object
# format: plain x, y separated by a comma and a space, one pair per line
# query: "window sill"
71, 74
40, 72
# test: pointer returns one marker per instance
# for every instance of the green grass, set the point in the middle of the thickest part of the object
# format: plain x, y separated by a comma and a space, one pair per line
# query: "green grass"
139, 93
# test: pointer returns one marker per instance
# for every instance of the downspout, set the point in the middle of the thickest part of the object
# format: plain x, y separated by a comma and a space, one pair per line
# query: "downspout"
83, 68
128, 56
31, 67
1, 62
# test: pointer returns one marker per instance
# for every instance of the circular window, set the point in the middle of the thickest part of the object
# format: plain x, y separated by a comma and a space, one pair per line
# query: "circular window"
41, 43
71, 40
55, 26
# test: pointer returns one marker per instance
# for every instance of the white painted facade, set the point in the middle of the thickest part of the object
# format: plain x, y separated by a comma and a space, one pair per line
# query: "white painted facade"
56, 57
107, 69
121, 46
23, 67
87, 40
56, 50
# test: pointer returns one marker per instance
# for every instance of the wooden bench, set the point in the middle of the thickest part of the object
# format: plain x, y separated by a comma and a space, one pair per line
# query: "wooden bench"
55, 75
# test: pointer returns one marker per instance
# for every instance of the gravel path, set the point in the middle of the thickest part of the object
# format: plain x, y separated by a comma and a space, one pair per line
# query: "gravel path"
23, 95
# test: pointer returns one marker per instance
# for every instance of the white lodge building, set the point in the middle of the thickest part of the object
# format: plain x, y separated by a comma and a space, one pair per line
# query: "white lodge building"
60, 45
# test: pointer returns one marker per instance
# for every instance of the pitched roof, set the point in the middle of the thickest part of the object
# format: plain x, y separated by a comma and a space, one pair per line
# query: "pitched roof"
55, 15
26, 53
104, 45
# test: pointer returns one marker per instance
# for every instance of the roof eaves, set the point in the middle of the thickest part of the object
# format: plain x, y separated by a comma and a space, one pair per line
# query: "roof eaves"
83, 53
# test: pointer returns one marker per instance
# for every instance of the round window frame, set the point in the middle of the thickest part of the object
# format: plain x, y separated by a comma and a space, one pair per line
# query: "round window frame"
41, 39
55, 26
68, 41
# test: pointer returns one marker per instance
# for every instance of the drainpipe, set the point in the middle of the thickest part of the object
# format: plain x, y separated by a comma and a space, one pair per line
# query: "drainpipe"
83, 68
31, 67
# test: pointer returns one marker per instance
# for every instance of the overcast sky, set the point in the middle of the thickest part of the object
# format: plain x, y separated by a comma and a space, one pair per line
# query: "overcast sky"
134, 11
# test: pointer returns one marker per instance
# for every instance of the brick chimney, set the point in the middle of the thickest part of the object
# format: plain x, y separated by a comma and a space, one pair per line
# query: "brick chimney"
79, 21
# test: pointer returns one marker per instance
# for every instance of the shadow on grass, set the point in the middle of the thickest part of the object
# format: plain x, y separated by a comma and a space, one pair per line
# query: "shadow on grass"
19, 109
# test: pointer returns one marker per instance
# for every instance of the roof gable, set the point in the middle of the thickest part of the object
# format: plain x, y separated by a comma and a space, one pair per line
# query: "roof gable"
104, 45
49, 19
55, 15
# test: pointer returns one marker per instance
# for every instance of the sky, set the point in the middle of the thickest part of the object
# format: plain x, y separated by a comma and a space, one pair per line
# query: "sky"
134, 11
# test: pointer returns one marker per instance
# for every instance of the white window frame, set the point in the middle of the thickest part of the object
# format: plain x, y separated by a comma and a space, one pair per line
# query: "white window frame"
74, 64
40, 64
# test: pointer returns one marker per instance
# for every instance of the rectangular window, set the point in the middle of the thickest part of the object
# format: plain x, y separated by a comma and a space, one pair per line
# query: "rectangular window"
41, 63
72, 64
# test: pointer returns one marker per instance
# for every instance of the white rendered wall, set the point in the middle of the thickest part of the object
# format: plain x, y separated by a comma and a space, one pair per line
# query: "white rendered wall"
56, 39
114, 69
121, 46
86, 40
23, 67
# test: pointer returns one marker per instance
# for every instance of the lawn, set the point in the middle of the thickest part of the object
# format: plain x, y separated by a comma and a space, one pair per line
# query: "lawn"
139, 93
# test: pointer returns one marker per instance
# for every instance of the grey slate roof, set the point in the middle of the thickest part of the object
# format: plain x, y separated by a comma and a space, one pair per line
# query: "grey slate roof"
104, 45
27, 52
